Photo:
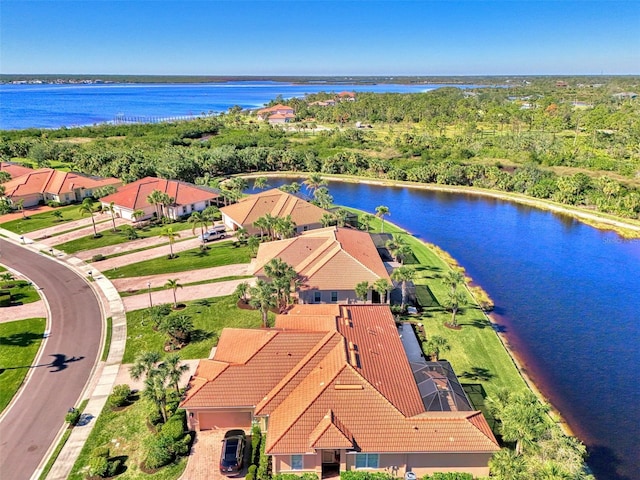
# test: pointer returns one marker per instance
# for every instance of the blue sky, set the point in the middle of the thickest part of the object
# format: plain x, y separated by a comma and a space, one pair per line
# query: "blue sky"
237, 37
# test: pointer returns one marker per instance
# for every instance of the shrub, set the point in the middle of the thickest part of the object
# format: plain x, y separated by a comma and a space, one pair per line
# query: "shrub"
53, 204
98, 466
293, 476
120, 395
448, 476
256, 435
98, 257
158, 452
250, 476
101, 452
73, 416
5, 300
264, 466
114, 467
363, 475
174, 428
252, 469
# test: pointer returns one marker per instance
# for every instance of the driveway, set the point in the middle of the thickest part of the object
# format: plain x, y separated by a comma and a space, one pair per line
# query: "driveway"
82, 232
205, 456
137, 244
62, 370
66, 226
20, 312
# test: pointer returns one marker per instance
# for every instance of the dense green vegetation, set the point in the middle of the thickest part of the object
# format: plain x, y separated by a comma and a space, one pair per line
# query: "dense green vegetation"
576, 145
19, 343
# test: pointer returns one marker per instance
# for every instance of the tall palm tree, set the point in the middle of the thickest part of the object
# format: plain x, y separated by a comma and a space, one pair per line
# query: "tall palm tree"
455, 300
260, 183
381, 212
211, 213
313, 182
156, 390
171, 235
166, 201
366, 220
327, 220
155, 199
453, 278
144, 363
261, 223
174, 369
362, 290
173, 284
86, 207
284, 227
505, 464
137, 215
434, 346
403, 275
197, 219
283, 277
323, 198
382, 287
263, 297
20, 206
112, 210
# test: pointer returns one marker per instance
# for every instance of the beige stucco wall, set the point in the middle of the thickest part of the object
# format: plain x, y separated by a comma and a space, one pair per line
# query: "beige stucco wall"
311, 463
307, 296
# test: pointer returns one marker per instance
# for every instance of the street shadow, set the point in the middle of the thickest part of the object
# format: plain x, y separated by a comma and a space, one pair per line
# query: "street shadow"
61, 361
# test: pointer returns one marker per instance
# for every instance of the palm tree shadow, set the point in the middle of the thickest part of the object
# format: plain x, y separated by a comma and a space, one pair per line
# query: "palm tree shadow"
61, 361
22, 339
478, 373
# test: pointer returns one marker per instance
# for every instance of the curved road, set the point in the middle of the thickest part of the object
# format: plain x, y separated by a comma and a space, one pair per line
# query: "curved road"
57, 381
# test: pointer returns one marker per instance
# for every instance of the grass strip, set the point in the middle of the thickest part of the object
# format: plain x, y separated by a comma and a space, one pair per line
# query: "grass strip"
201, 282
63, 440
107, 340
19, 344
225, 253
22, 292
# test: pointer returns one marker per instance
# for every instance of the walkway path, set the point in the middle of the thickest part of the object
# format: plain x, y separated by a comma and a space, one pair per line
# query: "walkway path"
194, 292
133, 284
157, 252
80, 233
20, 312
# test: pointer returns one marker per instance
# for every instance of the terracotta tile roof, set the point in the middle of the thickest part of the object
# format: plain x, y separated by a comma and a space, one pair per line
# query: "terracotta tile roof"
275, 202
278, 115
207, 371
327, 258
347, 94
276, 108
348, 387
14, 170
134, 195
55, 182
243, 344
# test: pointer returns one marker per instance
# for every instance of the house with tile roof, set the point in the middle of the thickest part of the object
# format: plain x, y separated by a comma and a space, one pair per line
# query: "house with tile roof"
333, 390
50, 185
187, 198
329, 262
14, 169
283, 111
275, 202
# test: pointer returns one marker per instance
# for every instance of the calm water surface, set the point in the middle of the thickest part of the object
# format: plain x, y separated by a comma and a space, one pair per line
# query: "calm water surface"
567, 295
54, 106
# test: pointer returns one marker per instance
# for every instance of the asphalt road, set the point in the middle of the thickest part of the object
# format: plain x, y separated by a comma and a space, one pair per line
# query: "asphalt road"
58, 379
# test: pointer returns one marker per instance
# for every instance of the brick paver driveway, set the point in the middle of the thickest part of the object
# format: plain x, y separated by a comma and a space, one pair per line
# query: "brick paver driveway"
205, 457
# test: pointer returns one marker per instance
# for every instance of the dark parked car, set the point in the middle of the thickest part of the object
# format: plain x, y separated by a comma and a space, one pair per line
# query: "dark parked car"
232, 452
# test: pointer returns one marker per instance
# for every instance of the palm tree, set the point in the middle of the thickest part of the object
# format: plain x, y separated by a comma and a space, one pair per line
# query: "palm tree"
454, 301
341, 217
137, 215
112, 210
171, 235
166, 201
313, 182
506, 464
284, 227
261, 223
362, 290
144, 363
155, 199
260, 183
197, 219
323, 198
20, 206
57, 214
179, 329
254, 244
242, 235
86, 207
366, 220
283, 277
434, 346
403, 275
174, 369
211, 213
156, 390
263, 297
382, 286
453, 279
173, 284
327, 220
381, 211
242, 289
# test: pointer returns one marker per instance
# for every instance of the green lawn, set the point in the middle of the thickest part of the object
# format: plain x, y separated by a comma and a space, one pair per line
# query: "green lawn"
42, 220
209, 317
477, 354
225, 253
109, 238
125, 433
22, 292
19, 343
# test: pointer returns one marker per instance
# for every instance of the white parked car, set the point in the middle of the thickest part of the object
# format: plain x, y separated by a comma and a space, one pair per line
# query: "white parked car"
214, 233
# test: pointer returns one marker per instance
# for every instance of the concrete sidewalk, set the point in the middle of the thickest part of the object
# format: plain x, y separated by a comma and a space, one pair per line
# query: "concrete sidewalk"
194, 292
134, 284
20, 312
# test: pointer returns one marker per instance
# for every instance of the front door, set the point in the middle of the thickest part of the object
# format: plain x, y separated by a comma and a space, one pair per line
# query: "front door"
330, 463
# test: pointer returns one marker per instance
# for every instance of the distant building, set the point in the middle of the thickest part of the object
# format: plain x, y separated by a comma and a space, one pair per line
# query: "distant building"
277, 114
346, 96
49, 185
625, 95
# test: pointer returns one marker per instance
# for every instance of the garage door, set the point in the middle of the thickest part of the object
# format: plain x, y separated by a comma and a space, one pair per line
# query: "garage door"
225, 420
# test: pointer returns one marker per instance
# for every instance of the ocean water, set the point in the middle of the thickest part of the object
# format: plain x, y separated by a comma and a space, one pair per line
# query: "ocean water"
54, 106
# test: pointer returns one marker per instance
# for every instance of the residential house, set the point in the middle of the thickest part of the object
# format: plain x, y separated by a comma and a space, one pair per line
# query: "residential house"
14, 169
187, 198
333, 390
346, 96
277, 114
329, 261
306, 215
49, 185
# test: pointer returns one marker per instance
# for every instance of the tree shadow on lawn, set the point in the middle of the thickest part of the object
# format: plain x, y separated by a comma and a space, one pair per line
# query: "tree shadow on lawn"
22, 339
478, 373
198, 335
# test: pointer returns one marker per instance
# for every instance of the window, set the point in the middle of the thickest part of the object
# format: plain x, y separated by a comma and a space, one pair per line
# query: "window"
334, 296
367, 460
296, 462
317, 298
